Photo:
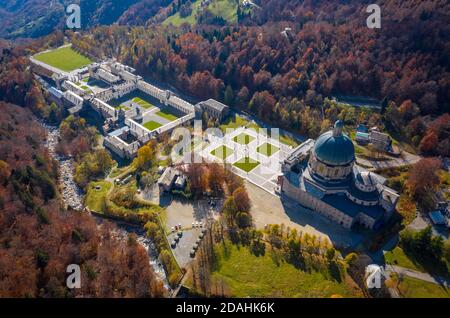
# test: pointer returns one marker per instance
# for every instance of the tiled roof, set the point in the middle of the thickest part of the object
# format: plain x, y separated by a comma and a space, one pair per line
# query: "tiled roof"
215, 104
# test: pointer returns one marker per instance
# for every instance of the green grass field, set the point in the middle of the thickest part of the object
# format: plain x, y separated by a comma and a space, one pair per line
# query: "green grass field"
95, 199
267, 149
65, 59
414, 288
152, 125
222, 152
143, 103
399, 258
233, 122
227, 9
243, 139
177, 20
247, 164
166, 115
247, 275
288, 141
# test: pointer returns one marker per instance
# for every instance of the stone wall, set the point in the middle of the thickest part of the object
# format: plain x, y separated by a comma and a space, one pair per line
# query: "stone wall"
316, 205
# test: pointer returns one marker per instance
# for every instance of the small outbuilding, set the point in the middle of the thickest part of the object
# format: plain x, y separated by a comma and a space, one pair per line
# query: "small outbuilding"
213, 108
438, 218
167, 179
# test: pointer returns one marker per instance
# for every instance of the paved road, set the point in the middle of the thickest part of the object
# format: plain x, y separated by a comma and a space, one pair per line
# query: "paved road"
418, 275
405, 160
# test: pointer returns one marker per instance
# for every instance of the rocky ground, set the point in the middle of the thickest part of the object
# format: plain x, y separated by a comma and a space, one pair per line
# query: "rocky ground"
71, 193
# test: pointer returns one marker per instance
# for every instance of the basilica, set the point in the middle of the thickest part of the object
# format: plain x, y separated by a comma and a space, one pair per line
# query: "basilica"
322, 175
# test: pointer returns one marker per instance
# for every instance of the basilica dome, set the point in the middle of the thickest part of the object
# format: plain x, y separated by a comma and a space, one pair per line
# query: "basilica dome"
334, 148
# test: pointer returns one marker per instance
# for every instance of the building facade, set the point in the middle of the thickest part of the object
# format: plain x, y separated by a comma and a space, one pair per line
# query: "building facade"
213, 108
322, 176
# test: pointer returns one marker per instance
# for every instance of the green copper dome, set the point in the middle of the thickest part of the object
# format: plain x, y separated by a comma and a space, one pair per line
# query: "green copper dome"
335, 148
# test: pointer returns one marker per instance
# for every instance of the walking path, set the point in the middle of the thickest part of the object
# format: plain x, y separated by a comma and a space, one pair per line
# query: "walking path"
406, 159
418, 275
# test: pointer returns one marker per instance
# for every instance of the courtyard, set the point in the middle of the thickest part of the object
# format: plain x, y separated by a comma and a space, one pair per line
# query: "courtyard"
250, 153
154, 114
91, 85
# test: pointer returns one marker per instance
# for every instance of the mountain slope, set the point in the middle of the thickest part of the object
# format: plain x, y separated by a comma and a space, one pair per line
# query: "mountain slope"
35, 18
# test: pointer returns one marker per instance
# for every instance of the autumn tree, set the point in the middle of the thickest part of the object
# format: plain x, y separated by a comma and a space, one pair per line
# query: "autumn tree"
423, 179
429, 142
241, 199
216, 178
145, 156
197, 178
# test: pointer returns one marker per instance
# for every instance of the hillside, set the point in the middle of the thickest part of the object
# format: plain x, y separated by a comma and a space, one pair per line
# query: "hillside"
39, 239
204, 12
35, 18
290, 77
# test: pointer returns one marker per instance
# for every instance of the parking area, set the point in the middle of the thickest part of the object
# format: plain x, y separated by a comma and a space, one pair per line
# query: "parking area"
185, 212
189, 218
182, 246
271, 209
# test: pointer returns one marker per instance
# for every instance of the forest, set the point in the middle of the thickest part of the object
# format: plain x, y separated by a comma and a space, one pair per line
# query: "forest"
289, 79
39, 238
286, 80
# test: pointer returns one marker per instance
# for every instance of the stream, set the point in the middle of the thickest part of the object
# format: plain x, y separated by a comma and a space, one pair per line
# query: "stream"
73, 196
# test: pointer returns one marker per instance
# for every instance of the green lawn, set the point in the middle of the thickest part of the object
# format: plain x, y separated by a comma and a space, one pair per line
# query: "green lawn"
247, 275
414, 288
257, 128
399, 258
243, 139
167, 115
116, 171
288, 141
233, 122
65, 59
95, 199
227, 9
143, 103
267, 149
222, 152
152, 125
247, 164
177, 20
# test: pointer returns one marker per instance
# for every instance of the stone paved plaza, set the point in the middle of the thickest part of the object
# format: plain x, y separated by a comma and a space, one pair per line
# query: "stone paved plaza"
251, 155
